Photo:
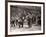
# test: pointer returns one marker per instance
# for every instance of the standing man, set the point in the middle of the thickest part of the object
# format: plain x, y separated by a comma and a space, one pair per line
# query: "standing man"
29, 19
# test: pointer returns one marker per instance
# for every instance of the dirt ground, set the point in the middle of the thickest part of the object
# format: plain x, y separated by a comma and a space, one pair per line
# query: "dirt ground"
26, 28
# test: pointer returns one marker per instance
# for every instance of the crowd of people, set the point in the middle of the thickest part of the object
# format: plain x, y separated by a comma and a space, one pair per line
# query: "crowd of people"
30, 19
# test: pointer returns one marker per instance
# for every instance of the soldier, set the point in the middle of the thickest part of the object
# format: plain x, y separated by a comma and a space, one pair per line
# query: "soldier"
33, 19
39, 20
29, 19
16, 21
20, 22
12, 22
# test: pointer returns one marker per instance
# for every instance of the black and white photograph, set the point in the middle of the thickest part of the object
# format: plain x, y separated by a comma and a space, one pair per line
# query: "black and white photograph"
25, 18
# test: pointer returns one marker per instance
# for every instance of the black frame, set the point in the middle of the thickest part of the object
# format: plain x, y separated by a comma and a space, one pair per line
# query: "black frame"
6, 18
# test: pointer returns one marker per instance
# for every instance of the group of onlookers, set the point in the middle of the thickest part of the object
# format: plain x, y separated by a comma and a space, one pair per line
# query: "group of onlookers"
30, 19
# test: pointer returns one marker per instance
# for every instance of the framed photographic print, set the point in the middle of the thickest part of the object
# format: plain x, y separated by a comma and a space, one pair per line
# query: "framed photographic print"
25, 18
